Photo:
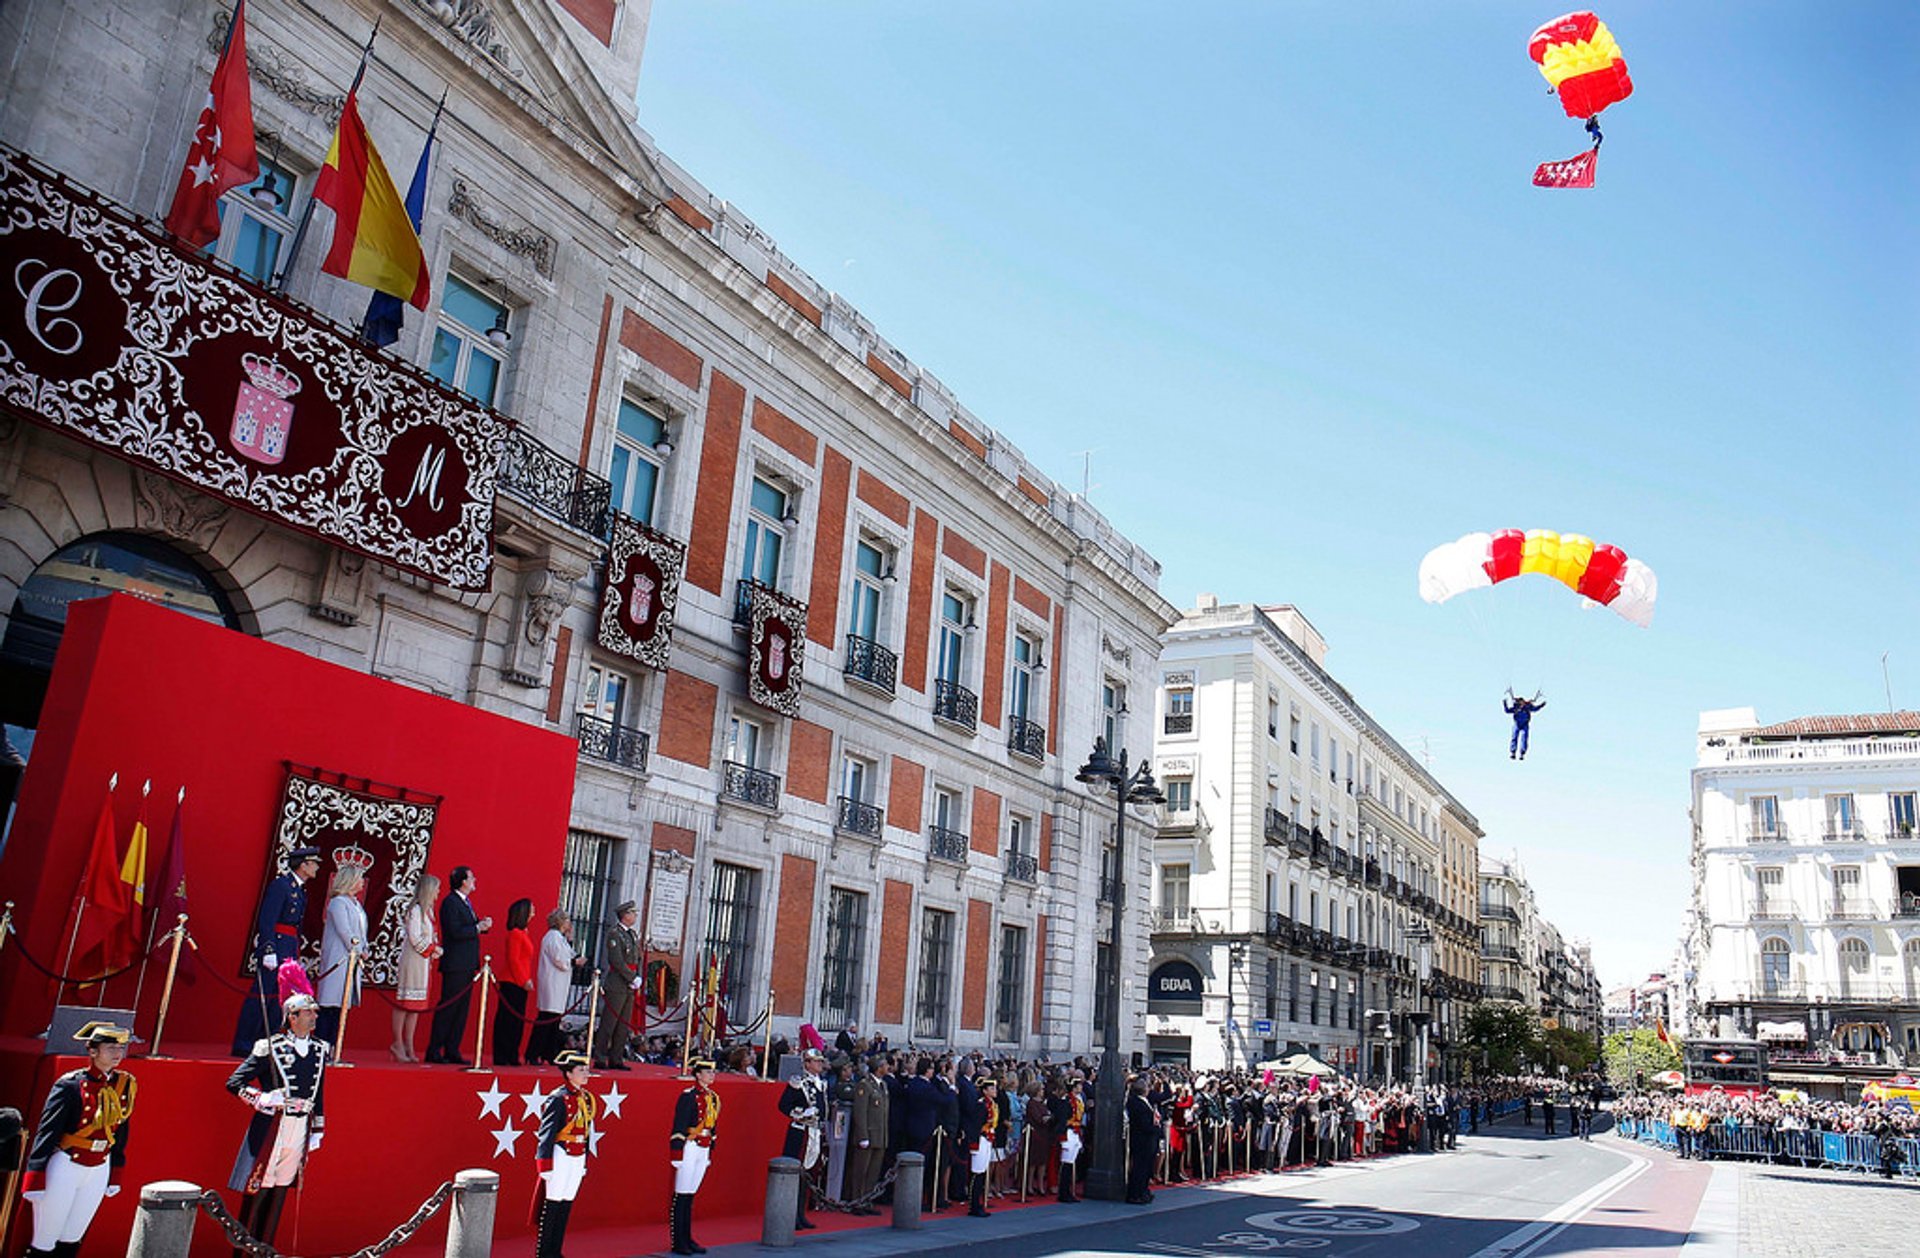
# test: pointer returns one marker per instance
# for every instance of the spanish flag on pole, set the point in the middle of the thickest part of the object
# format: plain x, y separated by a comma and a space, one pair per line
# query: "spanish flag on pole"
374, 241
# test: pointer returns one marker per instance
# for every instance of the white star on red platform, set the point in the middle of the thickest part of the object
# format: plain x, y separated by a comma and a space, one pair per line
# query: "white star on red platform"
503, 1140
491, 1100
533, 1101
611, 1100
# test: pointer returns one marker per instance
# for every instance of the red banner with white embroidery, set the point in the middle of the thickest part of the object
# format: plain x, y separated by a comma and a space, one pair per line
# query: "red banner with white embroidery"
776, 639
642, 592
113, 334
1574, 172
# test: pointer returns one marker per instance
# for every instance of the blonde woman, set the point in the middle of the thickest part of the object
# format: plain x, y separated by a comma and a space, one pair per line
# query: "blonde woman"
418, 951
345, 933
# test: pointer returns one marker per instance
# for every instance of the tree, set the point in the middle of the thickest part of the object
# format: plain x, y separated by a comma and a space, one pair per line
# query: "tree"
1632, 1057
1570, 1048
1501, 1036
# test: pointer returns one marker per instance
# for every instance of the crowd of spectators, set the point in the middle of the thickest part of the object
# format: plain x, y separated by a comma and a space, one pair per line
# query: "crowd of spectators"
1781, 1125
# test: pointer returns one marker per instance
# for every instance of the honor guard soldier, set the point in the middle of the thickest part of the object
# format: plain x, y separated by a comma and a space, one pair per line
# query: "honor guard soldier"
566, 1137
276, 938
804, 1102
618, 983
988, 1134
696, 1115
283, 1079
81, 1142
1069, 1114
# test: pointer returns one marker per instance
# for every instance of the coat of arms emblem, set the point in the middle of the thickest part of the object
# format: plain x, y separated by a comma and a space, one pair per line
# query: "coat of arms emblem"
262, 415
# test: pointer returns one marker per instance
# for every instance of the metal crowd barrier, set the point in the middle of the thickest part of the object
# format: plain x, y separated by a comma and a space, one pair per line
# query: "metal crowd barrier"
1838, 1150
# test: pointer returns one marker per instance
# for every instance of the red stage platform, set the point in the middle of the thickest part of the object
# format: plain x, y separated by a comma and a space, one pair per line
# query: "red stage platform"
395, 1133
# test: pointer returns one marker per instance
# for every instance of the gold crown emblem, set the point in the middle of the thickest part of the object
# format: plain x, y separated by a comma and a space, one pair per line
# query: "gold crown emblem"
269, 376
355, 855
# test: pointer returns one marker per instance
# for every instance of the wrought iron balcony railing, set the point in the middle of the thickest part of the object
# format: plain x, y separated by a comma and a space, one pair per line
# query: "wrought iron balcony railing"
1503, 952
1179, 723
1276, 827
856, 816
1861, 910
1174, 922
955, 705
1503, 993
1342, 863
1109, 887
870, 663
743, 598
1280, 928
1300, 840
1023, 867
749, 785
1026, 738
1373, 873
1320, 849
1498, 912
1907, 904
615, 744
554, 485
947, 845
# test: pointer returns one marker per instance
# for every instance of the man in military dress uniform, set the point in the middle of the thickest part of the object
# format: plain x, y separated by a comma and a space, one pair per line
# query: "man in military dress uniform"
282, 1079
81, 1143
696, 1115
276, 938
1069, 1114
804, 1102
566, 1137
618, 982
986, 1127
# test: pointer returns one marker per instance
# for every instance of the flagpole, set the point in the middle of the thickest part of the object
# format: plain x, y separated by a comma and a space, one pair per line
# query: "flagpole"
153, 924
139, 821
179, 933
279, 284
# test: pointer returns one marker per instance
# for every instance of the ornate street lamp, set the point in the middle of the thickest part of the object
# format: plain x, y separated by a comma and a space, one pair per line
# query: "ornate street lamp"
1107, 1176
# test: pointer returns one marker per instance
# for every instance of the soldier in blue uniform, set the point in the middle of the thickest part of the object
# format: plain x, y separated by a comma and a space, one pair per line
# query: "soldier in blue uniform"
282, 1079
696, 1120
81, 1143
276, 938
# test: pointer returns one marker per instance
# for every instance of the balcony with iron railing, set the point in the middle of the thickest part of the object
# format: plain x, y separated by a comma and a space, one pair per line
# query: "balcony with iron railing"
1853, 910
857, 816
748, 785
1906, 904
1321, 850
553, 484
1815, 750
1493, 992
1023, 867
870, 664
1491, 912
947, 844
1391, 884
1179, 723
1342, 863
1372, 877
955, 705
1500, 952
1776, 833
1175, 922
1109, 887
743, 598
1837, 833
615, 744
1027, 738
1765, 912
1769, 988
1300, 840
1281, 928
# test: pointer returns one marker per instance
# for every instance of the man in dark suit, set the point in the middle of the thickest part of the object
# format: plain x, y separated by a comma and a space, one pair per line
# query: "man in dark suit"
922, 1111
1143, 1142
460, 931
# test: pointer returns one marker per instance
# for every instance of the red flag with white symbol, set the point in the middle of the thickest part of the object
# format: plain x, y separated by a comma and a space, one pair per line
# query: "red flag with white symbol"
1575, 172
222, 154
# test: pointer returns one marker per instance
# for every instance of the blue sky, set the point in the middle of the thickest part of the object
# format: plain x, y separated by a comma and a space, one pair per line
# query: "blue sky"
1281, 267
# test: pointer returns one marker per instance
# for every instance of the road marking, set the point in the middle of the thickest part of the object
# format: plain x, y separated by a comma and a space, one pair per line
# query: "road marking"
1342, 1222
1524, 1240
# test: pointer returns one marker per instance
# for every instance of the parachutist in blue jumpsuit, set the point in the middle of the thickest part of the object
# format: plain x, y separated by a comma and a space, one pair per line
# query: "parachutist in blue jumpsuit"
1521, 710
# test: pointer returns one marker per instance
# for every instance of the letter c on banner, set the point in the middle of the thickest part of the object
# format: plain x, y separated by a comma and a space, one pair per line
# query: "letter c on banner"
37, 295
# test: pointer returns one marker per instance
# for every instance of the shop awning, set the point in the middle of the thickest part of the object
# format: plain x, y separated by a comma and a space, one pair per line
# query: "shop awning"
1789, 1076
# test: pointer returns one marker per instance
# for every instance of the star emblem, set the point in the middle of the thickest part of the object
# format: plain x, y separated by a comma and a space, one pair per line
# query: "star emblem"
611, 1101
504, 1139
491, 1099
533, 1100
593, 1142
202, 172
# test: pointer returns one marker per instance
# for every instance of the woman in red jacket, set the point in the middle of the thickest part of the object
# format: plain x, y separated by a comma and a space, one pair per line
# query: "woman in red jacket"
516, 976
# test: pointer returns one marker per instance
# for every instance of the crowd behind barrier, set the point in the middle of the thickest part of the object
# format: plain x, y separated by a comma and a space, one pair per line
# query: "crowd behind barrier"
1880, 1138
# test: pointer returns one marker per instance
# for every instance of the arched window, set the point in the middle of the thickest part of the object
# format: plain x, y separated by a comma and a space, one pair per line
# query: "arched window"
1854, 956
104, 563
1776, 965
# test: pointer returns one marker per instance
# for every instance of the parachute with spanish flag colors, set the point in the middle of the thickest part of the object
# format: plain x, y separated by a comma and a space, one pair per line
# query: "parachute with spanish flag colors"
1579, 56
1596, 571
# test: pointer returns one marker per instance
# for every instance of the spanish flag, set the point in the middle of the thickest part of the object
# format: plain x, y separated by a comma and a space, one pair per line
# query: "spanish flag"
374, 241
1660, 1030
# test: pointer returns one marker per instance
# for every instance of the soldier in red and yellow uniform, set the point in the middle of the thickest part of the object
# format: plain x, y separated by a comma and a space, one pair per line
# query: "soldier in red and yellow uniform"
696, 1118
81, 1143
566, 1137
1069, 1113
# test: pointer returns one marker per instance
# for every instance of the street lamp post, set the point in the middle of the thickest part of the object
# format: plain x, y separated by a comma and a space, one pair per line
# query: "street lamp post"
1107, 1176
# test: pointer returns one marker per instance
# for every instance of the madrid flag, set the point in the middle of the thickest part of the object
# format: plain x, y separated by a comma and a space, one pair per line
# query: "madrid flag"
374, 241
222, 155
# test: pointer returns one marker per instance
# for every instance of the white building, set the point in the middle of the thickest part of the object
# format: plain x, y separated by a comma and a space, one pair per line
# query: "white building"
1300, 863
1804, 925
904, 846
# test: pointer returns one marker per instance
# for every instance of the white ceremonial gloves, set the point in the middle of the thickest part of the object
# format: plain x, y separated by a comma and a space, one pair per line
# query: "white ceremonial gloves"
271, 1101
313, 1141
271, 961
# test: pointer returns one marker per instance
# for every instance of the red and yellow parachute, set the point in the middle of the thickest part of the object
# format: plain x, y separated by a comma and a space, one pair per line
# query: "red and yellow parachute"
1598, 572
1579, 57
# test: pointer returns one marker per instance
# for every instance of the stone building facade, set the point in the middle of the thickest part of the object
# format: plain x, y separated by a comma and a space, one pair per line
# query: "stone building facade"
907, 848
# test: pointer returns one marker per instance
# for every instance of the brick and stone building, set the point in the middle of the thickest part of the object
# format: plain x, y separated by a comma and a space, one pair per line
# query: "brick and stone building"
903, 844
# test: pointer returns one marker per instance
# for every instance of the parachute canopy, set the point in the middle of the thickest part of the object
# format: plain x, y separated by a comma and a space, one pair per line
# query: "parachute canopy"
1579, 57
1600, 572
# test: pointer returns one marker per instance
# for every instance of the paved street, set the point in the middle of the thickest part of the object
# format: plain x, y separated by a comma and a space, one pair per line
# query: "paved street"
1508, 1193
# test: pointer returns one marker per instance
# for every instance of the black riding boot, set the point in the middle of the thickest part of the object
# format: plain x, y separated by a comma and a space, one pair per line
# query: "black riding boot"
977, 1197
1066, 1184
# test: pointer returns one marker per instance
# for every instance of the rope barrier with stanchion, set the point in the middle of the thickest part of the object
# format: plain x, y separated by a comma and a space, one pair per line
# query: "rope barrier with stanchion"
593, 1013
480, 1028
766, 1048
346, 1004
179, 936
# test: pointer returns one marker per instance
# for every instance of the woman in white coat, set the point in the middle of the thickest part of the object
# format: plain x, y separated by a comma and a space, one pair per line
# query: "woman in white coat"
553, 985
345, 932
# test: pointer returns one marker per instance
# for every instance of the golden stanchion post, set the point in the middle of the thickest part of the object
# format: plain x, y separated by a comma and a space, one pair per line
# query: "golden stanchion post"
1026, 1146
346, 1005
6, 1206
939, 1143
593, 1014
480, 1031
686, 1043
179, 933
766, 1048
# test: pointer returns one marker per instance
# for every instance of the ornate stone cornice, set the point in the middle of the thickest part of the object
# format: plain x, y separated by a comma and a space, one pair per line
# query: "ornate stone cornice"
528, 242
278, 73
